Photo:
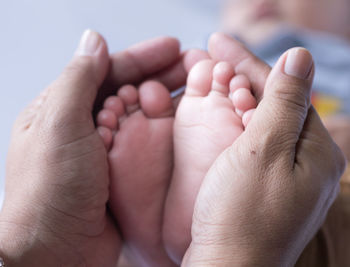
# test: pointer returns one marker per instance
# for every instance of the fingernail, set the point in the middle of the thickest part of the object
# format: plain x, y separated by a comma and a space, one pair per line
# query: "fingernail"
299, 63
89, 43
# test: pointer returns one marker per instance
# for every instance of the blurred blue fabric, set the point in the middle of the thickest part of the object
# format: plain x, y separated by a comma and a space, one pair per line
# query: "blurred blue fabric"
331, 55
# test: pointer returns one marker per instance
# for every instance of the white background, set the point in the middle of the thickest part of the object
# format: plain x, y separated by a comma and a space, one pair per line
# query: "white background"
38, 37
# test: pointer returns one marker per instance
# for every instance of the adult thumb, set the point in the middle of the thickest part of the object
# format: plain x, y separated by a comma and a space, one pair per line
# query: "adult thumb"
280, 116
79, 82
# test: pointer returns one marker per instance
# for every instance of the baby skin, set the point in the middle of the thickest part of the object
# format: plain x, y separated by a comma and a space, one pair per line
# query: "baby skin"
137, 129
213, 113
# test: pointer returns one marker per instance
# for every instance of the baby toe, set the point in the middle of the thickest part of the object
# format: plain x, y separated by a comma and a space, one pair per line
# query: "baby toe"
106, 135
200, 79
107, 118
222, 75
243, 99
115, 104
247, 116
130, 97
239, 81
155, 100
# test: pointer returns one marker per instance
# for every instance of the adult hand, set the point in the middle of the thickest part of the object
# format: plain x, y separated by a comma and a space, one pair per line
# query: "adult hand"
57, 183
339, 128
268, 194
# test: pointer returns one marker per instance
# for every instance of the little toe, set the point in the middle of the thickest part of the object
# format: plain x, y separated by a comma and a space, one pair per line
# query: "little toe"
115, 104
239, 112
200, 79
247, 116
243, 99
222, 75
107, 118
239, 81
130, 98
155, 100
106, 135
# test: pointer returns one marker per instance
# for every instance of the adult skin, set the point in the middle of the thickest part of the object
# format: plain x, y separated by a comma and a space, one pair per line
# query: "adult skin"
268, 194
57, 182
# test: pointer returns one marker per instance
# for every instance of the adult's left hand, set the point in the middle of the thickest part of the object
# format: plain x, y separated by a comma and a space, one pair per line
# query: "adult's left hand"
57, 183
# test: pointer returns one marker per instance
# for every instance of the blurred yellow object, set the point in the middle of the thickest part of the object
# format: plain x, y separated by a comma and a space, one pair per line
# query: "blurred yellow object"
346, 177
326, 105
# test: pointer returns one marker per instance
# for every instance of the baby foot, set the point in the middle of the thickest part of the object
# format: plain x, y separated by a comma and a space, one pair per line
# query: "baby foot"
213, 112
136, 127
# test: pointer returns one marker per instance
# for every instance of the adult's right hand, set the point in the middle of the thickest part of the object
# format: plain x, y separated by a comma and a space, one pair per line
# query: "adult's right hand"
267, 195
339, 128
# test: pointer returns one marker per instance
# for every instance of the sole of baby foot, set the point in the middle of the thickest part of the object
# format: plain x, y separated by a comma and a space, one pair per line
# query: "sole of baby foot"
206, 124
140, 159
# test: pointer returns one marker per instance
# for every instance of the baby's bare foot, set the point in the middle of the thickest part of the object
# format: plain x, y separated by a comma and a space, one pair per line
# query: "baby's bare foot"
242, 98
136, 127
208, 121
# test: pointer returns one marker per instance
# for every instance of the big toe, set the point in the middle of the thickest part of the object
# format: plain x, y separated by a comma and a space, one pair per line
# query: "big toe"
200, 78
155, 100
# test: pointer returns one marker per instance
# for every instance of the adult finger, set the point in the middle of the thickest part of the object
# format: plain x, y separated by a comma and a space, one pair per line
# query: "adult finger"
282, 112
314, 143
175, 76
142, 60
137, 63
224, 48
78, 84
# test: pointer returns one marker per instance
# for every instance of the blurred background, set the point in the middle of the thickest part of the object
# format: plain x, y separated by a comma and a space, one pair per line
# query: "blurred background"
38, 37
